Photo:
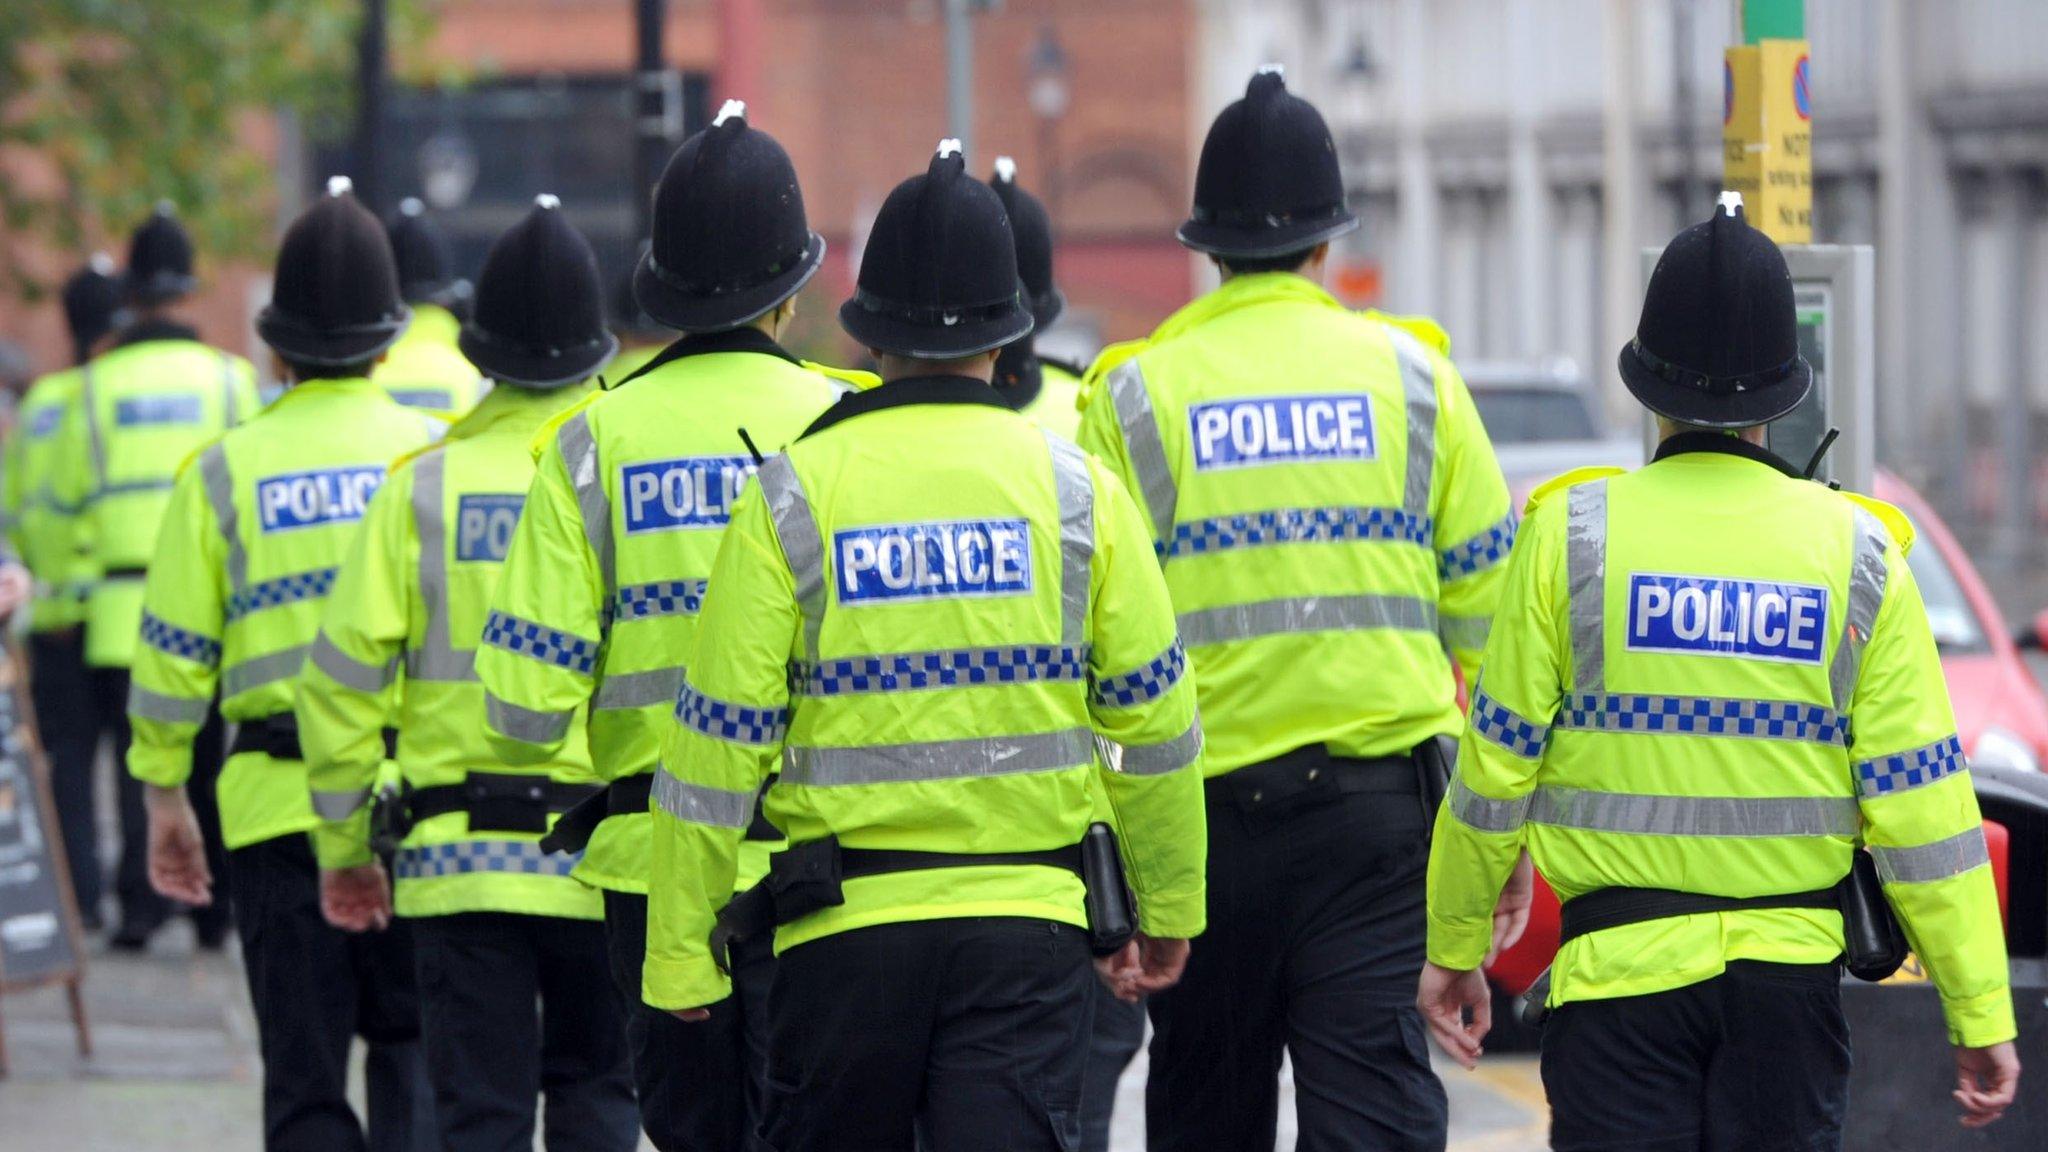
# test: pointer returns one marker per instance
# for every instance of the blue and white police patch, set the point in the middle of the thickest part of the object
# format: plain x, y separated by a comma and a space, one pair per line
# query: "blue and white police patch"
1282, 430
943, 560
45, 422
484, 522
692, 492
168, 408
1716, 616
309, 499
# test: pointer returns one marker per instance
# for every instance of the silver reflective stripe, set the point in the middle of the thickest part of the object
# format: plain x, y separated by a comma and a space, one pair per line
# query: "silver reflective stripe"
1076, 492
228, 408
220, 492
436, 659
95, 437
639, 689
252, 674
526, 724
1133, 405
1485, 814
1170, 756
1418, 385
701, 805
938, 760
1866, 595
1732, 816
1306, 614
348, 671
1464, 632
797, 528
1924, 863
1586, 569
335, 806
579, 455
164, 709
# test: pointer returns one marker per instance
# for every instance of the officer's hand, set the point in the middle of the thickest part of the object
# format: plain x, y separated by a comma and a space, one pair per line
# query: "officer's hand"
15, 587
177, 853
1511, 913
691, 1015
1146, 965
1987, 1080
1443, 999
356, 899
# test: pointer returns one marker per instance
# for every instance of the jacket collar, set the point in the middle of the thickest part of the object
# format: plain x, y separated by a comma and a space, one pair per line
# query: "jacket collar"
522, 410
742, 339
432, 324
143, 330
903, 393
1244, 291
1718, 443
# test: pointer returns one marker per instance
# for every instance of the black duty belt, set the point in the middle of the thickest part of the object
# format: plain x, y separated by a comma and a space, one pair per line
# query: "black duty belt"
497, 801
628, 796
123, 573
277, 737
1605, 908
857, 862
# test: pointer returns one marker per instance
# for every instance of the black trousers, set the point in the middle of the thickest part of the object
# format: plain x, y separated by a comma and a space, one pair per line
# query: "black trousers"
142, 910
1113, 1040
941, 1035
1755, 1060
69, 723
699, 1084
491, 1056
1314, 947
315, 988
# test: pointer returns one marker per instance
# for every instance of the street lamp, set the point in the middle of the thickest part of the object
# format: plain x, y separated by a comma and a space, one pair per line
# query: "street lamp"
1048, 95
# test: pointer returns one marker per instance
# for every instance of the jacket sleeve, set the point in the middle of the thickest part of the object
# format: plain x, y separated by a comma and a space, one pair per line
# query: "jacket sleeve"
347, 693
727, 737
14, 486
538, 656
1143, 699
177, 663
1479, 829
1920, 816
1102, 436
1475, 524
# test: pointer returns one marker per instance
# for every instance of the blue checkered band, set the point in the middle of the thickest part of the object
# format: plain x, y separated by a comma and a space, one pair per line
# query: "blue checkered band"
313, 585
539, 642
1480, 552
520, 857
1705, 716
915, 671
1147, 683
661, 598
1508, 728
178, 642
735, 723
1884, 775
1298, 526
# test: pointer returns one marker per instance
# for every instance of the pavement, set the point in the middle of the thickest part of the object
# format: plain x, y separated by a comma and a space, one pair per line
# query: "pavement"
174, 1069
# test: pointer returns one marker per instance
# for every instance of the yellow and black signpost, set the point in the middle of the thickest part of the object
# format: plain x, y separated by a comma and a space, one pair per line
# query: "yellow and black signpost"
1767, 120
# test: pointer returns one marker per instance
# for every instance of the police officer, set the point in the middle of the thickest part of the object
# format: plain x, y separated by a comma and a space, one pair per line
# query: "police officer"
1045, 389
1330, 518
255, 528
497, 923
44, 533
600, 591
425, 369
145, 406
1681, 658
969, 605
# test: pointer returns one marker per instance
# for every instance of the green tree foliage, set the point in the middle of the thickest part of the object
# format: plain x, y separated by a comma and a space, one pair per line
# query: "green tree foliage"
107, 106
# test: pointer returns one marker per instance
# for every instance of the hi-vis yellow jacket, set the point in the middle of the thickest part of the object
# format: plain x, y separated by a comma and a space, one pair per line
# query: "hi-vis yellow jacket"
42, 528
1711, 677
256, 527
600, 591
925, 614
1327, 508
1057, 407
144, 408
404, 616
426, 369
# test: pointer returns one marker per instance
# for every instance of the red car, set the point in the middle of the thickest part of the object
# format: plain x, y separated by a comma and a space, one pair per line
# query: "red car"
2001, 713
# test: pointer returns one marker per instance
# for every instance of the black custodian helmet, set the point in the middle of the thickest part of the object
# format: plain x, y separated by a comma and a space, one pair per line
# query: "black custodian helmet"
1718, 342
334, 300
91, 298
425, 270
939, 278
1032, 229
730, 237
539, 319
159, 259
1268, 183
